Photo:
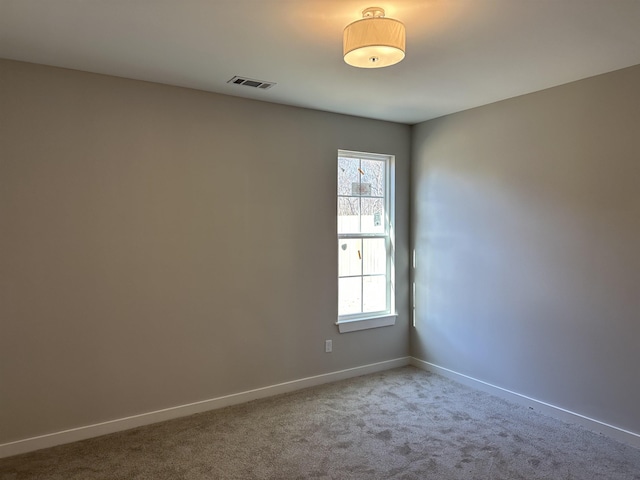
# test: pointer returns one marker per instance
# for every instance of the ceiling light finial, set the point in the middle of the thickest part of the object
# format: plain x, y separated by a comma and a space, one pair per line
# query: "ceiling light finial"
374, 41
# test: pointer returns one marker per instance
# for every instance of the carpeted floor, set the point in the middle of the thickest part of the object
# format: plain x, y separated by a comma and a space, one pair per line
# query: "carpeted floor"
399, 424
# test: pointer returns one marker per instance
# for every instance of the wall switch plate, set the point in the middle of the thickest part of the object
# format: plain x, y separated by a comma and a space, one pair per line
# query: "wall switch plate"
328, 346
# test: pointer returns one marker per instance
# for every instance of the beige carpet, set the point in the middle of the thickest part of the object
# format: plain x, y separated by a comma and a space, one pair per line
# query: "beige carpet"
400, 424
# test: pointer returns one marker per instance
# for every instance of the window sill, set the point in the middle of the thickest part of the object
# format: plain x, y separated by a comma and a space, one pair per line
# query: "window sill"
346, 326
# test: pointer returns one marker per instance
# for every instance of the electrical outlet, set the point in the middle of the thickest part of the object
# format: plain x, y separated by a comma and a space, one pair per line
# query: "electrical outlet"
328, 346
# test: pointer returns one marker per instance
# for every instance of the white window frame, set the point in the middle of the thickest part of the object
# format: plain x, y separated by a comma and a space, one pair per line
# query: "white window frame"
362, 321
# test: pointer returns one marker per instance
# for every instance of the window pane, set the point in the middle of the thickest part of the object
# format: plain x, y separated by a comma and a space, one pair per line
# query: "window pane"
374, 256
374, 174
348, 174
348, 215
349, 257
349, 295
373, 215
374, 294
364, 247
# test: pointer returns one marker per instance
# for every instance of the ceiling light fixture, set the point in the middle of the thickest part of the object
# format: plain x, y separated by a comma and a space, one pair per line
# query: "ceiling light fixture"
374, 41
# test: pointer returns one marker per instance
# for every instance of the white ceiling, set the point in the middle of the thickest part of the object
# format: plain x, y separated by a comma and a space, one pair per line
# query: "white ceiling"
460, 53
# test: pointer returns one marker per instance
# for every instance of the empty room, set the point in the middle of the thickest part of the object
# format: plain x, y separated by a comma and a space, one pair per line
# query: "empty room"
281, 239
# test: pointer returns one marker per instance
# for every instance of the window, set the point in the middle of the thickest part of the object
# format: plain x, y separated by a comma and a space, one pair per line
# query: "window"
365, 243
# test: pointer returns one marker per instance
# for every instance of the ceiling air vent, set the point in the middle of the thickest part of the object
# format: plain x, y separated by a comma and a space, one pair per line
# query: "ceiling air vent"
249, 82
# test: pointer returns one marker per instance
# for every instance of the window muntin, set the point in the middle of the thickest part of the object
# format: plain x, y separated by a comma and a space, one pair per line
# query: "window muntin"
364, 243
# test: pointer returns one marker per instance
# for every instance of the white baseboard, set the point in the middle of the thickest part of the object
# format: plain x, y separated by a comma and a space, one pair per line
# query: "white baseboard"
112, 426
620, 434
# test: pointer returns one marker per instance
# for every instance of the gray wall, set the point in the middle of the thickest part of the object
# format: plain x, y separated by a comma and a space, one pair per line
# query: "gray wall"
526, 224
162, 246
